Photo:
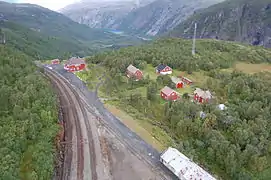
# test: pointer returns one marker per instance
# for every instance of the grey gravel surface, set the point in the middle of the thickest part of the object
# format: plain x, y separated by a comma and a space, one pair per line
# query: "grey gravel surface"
133, 142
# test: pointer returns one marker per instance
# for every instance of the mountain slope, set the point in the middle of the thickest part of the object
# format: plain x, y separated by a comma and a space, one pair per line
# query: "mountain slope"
247, 21
101, 14
150, 18
49, 22
40, 45
161, 15
67, 34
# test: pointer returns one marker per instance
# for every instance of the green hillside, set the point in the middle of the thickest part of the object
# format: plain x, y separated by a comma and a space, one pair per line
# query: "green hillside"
211, 54
39, 45
233, 144
43, 31
245, 21
28, 119
50, 22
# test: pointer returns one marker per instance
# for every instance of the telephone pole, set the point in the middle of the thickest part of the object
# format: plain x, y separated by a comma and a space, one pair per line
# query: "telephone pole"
194, 40
4, 38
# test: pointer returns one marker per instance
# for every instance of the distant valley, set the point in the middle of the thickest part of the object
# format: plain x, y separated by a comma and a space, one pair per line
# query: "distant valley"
152, 17
53, 32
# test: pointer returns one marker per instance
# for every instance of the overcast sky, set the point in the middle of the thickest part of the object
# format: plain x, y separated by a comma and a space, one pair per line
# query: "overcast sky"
51, 4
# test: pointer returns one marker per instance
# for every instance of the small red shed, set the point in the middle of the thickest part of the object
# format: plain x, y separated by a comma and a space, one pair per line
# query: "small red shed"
75, 64
202, 96
55, 61
132, 71
186, 80
178, 82
163, 69
169, 94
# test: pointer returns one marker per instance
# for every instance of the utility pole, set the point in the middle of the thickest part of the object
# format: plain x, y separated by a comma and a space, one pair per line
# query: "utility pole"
194, 40
4, 38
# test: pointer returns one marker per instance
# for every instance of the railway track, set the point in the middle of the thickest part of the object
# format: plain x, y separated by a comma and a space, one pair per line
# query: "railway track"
79, 160
101, 117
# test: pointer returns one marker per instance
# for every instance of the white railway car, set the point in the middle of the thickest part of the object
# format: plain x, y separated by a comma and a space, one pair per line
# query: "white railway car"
182, 166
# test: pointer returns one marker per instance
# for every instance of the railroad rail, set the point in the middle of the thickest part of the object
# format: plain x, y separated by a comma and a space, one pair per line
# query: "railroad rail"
101, 117
79, 159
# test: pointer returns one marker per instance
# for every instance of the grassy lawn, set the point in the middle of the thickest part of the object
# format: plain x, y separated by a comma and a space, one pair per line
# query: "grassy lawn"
141, 126
252, 68
196, 77
140, 90
187, 89
249, 68
91, 75
150, 70
47, 62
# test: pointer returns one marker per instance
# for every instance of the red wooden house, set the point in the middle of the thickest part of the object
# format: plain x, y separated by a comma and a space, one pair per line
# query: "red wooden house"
132, 71
178, 82
75, 64
55, 61
186, 80
202, 96
169, 94
163, 69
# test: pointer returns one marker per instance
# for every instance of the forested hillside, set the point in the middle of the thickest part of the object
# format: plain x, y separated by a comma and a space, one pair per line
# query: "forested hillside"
176, 53
28, 119
39, 45
232, 144
37, 31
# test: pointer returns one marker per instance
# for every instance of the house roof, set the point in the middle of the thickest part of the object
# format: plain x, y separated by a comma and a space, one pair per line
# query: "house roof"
187, 79
203, 94
183, 166
160, 67
55, 60
76, 60
176, 80
132, 68
167, 90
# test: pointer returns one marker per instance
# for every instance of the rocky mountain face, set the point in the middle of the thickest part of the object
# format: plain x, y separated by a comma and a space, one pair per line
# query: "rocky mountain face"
247, 21
149, 17
101, 13
161, 15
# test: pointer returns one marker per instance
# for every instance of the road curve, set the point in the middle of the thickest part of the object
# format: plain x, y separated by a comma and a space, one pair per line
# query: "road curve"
79, 159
